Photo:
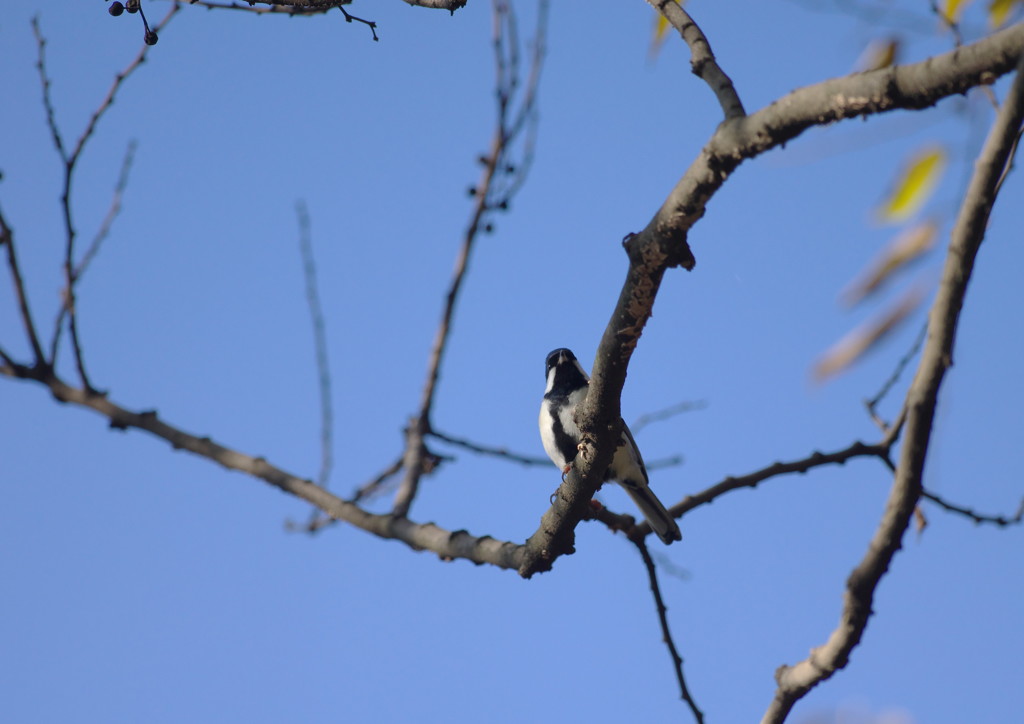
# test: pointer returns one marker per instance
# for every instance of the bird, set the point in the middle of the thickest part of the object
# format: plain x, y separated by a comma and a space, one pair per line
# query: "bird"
567, 387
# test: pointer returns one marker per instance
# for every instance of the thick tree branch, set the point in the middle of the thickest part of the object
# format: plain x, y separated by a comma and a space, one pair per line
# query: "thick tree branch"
270, 10
663, 243
449, 5
303, 7
937, 356
449, 545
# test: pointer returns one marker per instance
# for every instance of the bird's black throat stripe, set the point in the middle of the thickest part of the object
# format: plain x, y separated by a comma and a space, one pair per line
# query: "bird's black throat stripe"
565, 442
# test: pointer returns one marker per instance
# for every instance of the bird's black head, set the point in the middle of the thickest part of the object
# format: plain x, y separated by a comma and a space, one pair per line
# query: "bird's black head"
564, 373
556, 356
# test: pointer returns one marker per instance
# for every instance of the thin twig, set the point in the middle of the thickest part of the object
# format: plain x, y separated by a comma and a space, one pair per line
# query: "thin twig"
369, 489
112, 213
895, 376
416, 454
323, 368
999, 520
952, 25
1009, 162
632, 528
666, 413
659, 603
7, 241
816, 459
69, 160
490, 450
368, 23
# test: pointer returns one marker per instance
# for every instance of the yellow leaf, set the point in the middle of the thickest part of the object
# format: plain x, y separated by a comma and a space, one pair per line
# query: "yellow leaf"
880, 53
915, 184
862, 339
899, 252
661, 28
998, 11
952, 10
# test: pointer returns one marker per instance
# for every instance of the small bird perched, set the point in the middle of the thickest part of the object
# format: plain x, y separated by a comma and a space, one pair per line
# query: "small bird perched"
566, 390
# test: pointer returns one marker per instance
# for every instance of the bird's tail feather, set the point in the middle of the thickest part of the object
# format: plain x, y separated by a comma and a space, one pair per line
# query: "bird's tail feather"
661, 522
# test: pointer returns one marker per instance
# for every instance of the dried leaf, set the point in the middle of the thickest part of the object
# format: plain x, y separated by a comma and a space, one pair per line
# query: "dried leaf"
861, 340
920, 521
898, 253
914, 185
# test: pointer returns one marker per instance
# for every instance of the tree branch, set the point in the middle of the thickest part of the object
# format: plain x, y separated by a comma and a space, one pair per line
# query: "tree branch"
663, 243
659, 604
968, 232
449, 545
999, 520
7, 241
702, 59
69, 160
416, 452
275, 9
316, 318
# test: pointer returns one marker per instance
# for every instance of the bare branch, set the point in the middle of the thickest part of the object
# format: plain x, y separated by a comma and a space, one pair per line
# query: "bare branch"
968, 232
70, 160
368, 23
44, 79
370, 488
659, 603
491, 450
449, 5
323, 368
112, 213
416, 452
666, 413
271, 10
306, 7
907, 358
449, 545
7, 241
663, 243
702, 60
816, 459
998, 520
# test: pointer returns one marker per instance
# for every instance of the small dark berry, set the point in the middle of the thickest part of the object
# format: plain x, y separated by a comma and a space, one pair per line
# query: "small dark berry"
116, 9
151, 38
133, 6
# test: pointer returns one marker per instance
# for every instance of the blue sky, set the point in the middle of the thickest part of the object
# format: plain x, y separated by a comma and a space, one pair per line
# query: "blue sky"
145, 585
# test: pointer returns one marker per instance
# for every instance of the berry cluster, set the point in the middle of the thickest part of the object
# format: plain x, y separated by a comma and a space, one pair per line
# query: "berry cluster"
134, 6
